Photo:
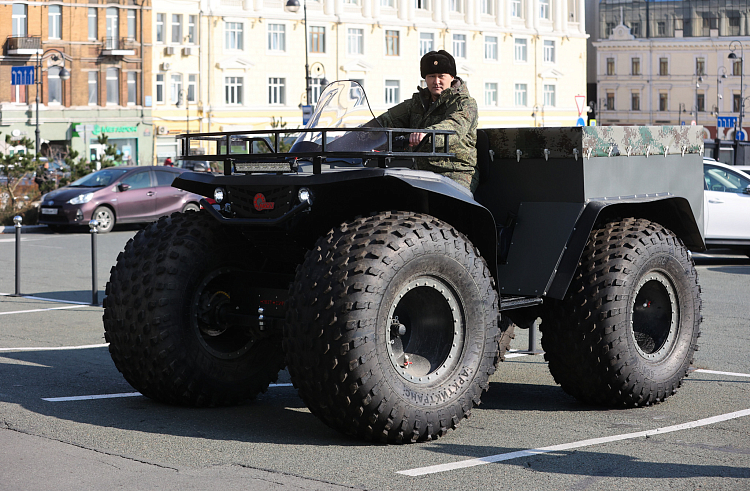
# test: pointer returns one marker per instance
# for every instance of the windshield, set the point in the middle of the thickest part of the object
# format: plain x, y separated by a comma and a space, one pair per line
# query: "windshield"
99, 179
343, 104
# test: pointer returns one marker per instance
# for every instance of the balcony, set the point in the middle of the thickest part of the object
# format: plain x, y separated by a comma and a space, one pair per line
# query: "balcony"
24, 45
118, 47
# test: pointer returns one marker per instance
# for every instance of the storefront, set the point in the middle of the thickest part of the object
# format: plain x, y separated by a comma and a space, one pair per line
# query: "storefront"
134, 141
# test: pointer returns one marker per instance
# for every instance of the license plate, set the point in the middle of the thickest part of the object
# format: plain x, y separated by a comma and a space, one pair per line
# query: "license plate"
49, 211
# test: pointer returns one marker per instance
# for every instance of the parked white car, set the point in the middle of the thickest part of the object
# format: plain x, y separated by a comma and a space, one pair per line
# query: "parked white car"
726, 206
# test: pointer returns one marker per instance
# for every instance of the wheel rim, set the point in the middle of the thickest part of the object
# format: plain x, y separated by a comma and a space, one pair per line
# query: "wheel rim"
212, 297
104, 218
425, 331
654, 316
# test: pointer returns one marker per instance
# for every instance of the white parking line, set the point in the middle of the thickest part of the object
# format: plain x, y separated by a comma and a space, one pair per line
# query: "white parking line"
40, 310
48, 299
88, 398
421, 471
731, 374
57, 348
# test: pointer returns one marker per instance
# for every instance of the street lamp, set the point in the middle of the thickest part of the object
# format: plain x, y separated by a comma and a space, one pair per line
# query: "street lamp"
293, 7
180, 95
733, 56
64, 75
698, 80
719, 76
680, 110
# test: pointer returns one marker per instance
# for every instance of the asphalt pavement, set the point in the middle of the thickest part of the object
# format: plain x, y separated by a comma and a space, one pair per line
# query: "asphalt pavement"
68, 420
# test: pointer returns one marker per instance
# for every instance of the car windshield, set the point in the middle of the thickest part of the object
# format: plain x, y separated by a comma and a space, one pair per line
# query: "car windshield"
99, 179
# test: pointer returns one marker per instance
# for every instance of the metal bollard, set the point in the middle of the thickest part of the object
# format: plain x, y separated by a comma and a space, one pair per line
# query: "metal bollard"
93, 224
17, 221
533, 334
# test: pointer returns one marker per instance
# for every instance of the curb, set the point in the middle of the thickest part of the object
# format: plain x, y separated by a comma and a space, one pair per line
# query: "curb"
11, 229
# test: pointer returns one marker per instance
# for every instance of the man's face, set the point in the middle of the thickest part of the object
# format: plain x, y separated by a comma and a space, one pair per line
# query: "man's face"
437, 83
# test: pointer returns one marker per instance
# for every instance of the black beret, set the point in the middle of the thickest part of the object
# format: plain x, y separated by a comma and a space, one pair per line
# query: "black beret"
438, 62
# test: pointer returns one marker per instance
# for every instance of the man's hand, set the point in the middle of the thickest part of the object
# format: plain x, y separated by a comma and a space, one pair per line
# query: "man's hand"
415, 138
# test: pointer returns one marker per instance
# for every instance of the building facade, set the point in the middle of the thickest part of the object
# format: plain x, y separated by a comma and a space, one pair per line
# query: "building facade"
92, 75
238, 65
672, 63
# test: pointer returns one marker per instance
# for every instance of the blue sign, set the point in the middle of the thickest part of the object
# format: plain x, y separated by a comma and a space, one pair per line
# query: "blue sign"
306, 113
726, 121
22, 75
580, 122
740, 135
682, 123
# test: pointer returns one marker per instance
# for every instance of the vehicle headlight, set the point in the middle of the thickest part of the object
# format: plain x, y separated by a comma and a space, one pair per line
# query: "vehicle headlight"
81, 199
305, 196
219, 195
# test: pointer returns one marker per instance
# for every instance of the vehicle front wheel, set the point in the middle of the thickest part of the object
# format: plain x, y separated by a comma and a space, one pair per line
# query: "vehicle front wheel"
392, 328
191, 207
106, 218
626, 332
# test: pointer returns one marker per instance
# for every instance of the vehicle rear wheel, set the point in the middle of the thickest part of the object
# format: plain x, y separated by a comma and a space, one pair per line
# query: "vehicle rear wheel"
191, 207
392, 328
626, 332
170, 315
106, 218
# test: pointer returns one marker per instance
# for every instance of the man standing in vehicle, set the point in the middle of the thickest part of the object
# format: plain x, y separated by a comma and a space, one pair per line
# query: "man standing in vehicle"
445, 104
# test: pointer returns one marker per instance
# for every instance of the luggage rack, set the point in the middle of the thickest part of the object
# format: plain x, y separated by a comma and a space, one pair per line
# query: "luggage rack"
239, 147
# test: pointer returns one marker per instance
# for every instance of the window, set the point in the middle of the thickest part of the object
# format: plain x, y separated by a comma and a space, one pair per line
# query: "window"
233, 35
737, 67
459, 45
277, 37
515, 9
456, 5
132, 26
192, 21
426, 43
392, 92
609, 29
164, 177
19, 20
490, 48
610, 66
177, 28
93, 23
700, 102
132, 81
487, 7
635, 29
160, 88
610, 101
663, 101
192, 87
544, 9
160, 28
635, 101
549, 51
661, 28
520, 50
277, 90
19, 94
93, 88
54, 16
141, 180
316, 87
724, 181
520, 95
233, 90
351, 2
490, 94
700, 66
175, 87
549, 95
54, 85
736, 102
355, 41
113, 86
317, 39
387, 3
420, 4
635, 66
663, 66
392, 43
113, 27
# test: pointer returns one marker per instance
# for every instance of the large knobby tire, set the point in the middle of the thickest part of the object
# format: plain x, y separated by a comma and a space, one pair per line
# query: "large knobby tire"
162, 315
376, 293
626, 332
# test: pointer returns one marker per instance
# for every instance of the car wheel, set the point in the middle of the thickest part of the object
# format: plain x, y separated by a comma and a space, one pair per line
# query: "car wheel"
191, 207
106, 219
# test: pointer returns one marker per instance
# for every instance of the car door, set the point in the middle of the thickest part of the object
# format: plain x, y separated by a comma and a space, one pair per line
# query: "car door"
136, 197
727, 204
168, 199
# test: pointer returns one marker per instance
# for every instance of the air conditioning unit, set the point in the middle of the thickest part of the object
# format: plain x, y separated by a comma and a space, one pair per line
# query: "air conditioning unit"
169, 50
162, 130
187, 51
165, 66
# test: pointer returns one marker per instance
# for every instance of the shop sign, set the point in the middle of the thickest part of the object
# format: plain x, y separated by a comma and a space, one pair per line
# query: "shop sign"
99, 130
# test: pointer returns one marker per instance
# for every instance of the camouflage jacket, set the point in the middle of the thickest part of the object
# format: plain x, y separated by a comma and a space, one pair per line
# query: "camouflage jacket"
454, 110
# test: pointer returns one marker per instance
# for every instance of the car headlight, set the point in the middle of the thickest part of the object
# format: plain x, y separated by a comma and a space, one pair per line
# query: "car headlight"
81, 199
219, 195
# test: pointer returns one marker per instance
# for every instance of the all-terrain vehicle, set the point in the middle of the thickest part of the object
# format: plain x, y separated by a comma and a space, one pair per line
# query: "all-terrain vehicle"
388, 292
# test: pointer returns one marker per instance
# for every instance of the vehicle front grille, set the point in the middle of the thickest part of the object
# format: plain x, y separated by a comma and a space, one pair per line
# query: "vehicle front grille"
260, 202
